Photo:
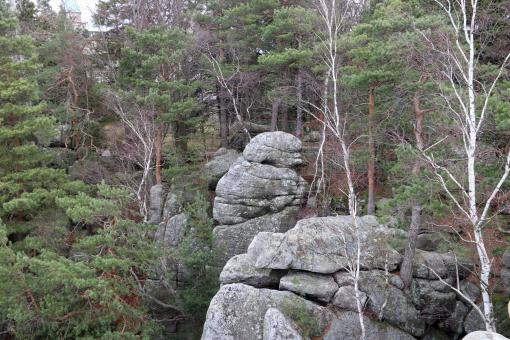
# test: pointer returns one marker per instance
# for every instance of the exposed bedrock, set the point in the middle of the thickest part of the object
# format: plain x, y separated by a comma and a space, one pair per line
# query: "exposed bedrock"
298, 281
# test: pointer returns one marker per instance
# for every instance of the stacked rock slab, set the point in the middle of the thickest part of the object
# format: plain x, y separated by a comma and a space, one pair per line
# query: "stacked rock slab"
297, 281
260, 192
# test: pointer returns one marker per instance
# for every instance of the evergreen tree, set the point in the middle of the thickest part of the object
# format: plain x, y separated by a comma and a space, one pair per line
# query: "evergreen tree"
26, 185
96, 291
153, 70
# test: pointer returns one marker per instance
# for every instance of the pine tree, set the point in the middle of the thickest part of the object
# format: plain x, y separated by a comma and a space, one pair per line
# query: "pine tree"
153, 71
26, 184
94, 292
291, 40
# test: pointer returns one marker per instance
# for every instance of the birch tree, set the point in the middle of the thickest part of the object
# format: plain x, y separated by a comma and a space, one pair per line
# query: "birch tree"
143, 127
335, 17
468, 102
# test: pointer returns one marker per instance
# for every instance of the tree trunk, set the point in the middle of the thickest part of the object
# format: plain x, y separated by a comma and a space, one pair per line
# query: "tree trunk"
371, 150
285, 118
299, 110
159, 146
180, 140
223, 118
406, 271
274, 114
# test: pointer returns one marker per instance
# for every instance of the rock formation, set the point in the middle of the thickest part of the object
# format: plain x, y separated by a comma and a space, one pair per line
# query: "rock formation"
296, 282
260, 192
219, 165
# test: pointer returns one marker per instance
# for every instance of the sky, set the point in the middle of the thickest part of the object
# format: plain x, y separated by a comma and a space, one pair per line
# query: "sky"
87, 9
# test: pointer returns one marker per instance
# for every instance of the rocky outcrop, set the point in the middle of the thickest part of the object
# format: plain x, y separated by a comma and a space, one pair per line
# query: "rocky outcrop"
301, 277
171, 232
260, 192
239, 311
219, 165
323, 245
156, 195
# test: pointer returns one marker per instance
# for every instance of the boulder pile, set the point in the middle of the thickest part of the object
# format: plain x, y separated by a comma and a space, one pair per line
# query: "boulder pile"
296, 285
261, 191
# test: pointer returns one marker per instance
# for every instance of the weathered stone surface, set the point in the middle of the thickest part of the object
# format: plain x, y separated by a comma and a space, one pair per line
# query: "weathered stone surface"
430, 265
434, 299
251, 190
390, 303
473, 322
173, 205
235, 239
454, 264
237, 312
239, 269
345, 298
279, 327
279, 148
156, 204
343, 278
219, 165
454, 322
321, 287
397, 281
260, 191
171, 232
319, 245
470, 290
427, 265
484, 335
346, 326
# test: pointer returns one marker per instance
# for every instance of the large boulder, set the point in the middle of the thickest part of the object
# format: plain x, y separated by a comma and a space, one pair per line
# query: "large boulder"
235, 239
345, 298
239, 269
390, 303
237, 312
434, 299
250, 190
323, 245
484, 335
431, 265
279, 148
316, 286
